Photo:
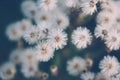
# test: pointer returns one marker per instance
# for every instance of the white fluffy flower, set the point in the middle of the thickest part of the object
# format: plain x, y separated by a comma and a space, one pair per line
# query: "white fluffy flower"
101, 31
43, 17
25, 25
102, 76
29, 8
13, 31
111, 7
105, 18
76, 66
29, 57
32, 35
88, 76
29, 70
81, 37
71, 3
47, 4
104, 1
44, 52
15, 56
89, 7
113, 40
7, 71
57, 38
61, 20
109, 65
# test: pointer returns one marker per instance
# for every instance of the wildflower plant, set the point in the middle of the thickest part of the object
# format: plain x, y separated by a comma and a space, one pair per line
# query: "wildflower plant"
65, 34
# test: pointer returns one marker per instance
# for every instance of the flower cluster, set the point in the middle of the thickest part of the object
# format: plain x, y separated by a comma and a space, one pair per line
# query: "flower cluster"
44, 29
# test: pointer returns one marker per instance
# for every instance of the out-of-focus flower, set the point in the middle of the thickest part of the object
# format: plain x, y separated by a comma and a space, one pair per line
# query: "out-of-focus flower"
81, 37
72, 3
28, 56
105, 20
29, 70
29, 8
44, 17
25, 25
15, 56
88, 76
13, 32
7, 71
61, 20
47, 4
76, 66
109, 65
113, 40
57, 38
102, 76
54, 70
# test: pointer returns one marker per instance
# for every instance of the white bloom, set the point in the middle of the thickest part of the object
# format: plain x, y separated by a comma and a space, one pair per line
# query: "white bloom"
104, 1
89, 8
7, 71
81, 37
61, 20
29, 56
15, 56
47, 4
32, 35
71, 3
102, 76
76, 66
101, 31
29, 70
109, 65
113, 40
88, 76
44, 52
111, 7
25, 25
43, 17
13, 31
57, 38
29, 8
44, 29
105, 18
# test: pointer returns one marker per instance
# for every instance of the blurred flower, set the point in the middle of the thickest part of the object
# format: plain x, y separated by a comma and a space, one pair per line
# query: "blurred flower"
76, 66
113, 40
29, 70
15, 56
61, 20
102, 76
88, 76
54, 70
7, 71
29, 8
13, 32
47, 4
